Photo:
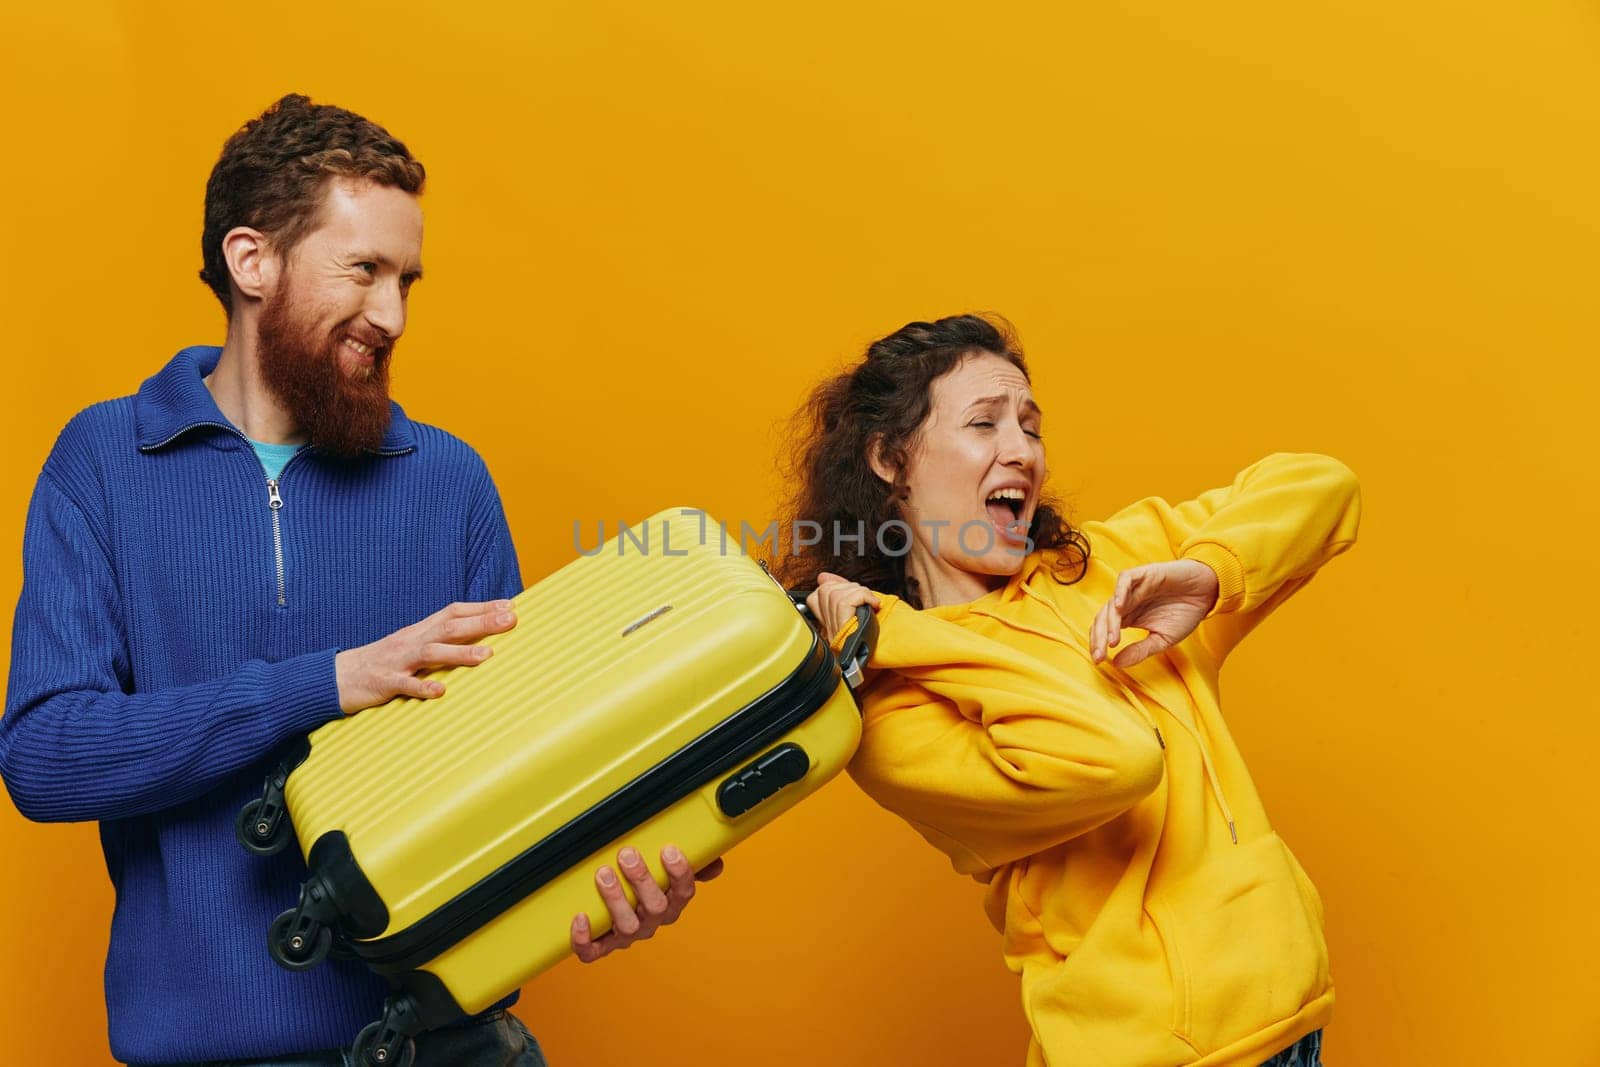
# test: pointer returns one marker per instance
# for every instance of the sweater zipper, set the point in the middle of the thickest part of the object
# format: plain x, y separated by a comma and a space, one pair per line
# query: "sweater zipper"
275, 502
274, 496
274, 493
275, 505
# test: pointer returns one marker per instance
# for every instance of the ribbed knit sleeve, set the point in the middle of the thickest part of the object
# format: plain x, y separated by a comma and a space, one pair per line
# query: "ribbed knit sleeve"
492, 568
75, 742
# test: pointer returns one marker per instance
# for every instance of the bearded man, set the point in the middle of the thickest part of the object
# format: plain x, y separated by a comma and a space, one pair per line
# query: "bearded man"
236, 555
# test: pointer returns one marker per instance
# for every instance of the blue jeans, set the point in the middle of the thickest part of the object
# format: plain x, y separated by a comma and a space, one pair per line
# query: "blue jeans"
497, 1040
1307, 1052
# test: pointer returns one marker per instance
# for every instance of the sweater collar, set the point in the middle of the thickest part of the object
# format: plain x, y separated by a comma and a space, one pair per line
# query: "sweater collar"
175, 401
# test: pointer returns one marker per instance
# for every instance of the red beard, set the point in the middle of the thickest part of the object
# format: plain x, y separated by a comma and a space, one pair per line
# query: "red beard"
343, 414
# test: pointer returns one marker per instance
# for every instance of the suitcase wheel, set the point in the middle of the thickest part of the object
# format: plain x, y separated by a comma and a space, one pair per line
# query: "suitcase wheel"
265, 835
370, 1051
297, 942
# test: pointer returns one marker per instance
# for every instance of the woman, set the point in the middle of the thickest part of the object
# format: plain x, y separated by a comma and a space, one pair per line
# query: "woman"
1154, 916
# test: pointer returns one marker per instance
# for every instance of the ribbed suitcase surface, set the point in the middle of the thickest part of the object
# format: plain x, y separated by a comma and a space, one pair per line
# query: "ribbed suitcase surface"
619, 662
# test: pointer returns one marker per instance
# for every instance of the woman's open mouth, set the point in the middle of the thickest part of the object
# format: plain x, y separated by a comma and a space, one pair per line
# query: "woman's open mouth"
1005, 508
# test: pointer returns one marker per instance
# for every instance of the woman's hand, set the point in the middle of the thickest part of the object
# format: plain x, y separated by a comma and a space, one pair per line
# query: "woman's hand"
1166, 599
835, 601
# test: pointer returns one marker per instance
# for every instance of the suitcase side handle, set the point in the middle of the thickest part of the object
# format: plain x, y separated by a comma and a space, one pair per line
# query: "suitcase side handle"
857, 647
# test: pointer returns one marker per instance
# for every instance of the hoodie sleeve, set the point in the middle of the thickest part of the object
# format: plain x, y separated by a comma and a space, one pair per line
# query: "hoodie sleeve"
76, 741
990, 753
1265, 536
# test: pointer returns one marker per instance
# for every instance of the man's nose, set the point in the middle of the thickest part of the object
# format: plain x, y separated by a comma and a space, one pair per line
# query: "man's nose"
386, 309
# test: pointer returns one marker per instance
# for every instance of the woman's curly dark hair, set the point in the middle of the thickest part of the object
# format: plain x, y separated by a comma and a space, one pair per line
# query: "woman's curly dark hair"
887, 397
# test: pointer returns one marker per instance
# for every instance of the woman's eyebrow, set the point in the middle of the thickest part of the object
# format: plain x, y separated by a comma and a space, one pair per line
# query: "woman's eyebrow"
1028, 404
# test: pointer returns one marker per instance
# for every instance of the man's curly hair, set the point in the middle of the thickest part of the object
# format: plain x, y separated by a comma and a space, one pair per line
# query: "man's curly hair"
271, 175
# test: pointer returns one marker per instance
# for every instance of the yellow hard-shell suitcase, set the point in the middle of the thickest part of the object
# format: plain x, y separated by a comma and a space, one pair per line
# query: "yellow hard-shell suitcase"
663, 689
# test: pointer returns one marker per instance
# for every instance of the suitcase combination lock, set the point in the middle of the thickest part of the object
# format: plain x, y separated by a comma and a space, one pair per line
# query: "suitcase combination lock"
750, 785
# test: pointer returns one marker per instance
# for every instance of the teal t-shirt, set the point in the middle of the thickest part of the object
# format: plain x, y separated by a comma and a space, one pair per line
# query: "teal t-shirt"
273, 457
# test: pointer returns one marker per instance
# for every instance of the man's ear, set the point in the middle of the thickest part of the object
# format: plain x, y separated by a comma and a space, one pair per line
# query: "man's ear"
251, 261
876, 460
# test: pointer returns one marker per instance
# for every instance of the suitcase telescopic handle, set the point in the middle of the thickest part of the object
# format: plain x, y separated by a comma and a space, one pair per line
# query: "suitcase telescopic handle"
857, 647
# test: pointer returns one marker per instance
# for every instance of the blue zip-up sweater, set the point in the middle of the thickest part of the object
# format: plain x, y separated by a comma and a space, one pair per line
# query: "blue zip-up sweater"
174, 631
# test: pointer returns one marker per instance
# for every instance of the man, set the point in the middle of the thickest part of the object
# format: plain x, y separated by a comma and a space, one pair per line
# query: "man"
236, 555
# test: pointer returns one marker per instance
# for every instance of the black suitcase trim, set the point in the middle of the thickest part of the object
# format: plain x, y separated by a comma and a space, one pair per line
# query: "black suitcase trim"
738, 737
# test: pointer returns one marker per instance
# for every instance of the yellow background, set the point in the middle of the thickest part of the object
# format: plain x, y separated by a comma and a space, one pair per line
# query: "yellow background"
1368, 228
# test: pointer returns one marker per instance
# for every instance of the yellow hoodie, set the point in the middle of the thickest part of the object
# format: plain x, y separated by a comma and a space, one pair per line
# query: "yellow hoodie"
1154, 916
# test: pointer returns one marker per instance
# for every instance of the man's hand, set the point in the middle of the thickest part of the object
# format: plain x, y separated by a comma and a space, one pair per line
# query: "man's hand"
656, 909
1166, 599
373, 674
